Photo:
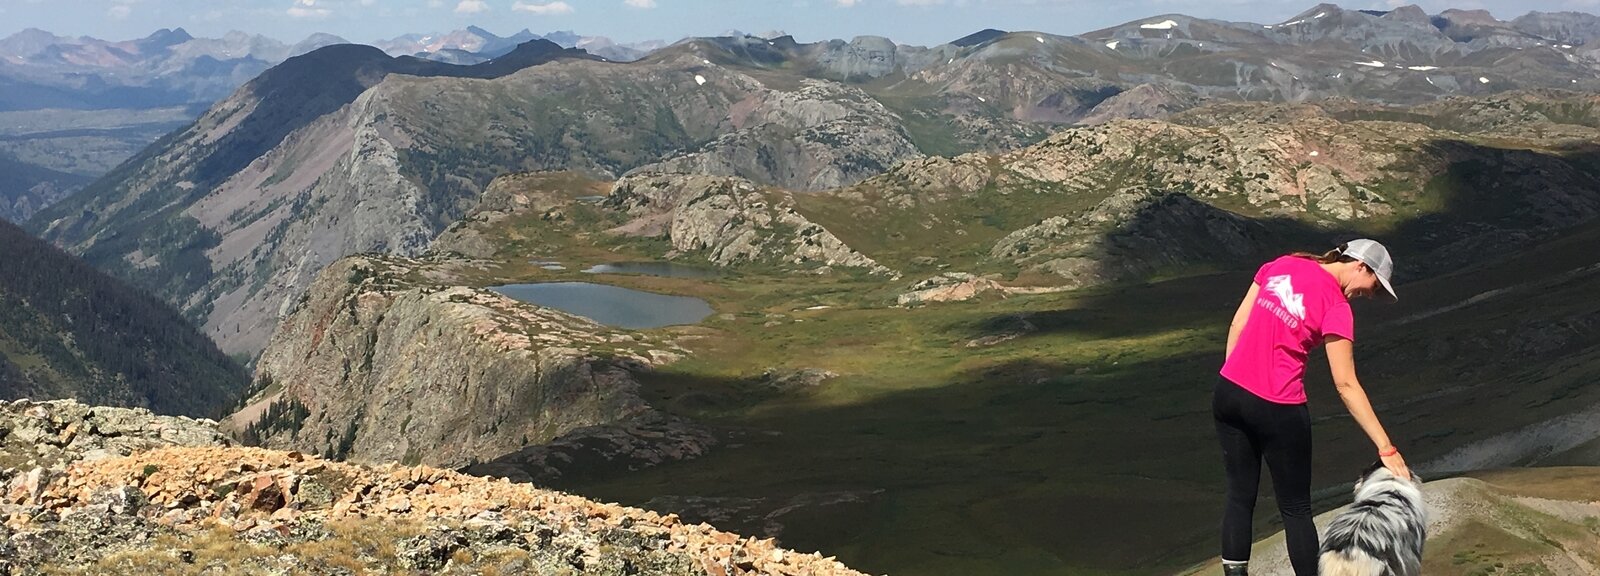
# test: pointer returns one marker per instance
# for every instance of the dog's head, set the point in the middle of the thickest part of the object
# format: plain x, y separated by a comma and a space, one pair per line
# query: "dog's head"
1378, 472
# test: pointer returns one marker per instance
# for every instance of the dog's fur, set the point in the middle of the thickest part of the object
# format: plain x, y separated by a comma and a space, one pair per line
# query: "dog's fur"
1382, 532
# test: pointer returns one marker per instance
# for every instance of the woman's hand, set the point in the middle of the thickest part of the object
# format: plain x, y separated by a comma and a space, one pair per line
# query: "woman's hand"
1396, 465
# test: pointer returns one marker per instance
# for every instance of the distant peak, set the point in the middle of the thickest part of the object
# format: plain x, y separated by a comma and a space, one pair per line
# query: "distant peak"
165, 37
979, 37
1407, 13
1321, 10
1479, 16
481, 32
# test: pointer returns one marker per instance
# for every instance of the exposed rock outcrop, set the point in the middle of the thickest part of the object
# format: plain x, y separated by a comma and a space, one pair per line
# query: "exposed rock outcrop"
731, 221
52, 434
187, 503
948, 287
374, 367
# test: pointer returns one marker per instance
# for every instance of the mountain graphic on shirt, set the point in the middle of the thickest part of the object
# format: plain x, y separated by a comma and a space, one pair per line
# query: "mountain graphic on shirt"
1292, 301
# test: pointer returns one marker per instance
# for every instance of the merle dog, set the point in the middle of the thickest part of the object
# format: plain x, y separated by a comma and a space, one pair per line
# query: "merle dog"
1382, 532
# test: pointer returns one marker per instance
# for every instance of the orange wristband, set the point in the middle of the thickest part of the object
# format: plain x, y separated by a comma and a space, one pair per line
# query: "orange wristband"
1390, 452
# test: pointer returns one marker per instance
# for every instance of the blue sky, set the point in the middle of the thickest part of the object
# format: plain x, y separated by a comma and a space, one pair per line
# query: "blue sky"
924, 22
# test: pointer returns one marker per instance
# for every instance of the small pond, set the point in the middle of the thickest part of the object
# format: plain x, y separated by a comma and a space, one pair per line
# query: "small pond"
654, 269
611, 305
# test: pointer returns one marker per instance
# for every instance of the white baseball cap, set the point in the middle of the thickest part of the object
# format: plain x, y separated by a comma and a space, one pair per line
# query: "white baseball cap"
1376, 257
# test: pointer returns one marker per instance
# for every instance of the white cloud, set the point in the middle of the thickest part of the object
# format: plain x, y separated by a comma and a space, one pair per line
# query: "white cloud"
120, 11
368, 2
847, 3
547, 9
640, 3
472, 7
308, 9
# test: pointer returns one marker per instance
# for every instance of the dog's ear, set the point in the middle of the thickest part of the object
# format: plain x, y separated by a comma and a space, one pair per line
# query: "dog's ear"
1374, 467
1366, 474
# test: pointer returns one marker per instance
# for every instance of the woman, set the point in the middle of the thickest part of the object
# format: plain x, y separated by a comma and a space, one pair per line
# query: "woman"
1296, 302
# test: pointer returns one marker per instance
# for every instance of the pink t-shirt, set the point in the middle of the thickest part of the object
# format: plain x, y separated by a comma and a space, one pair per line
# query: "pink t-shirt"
1298, 304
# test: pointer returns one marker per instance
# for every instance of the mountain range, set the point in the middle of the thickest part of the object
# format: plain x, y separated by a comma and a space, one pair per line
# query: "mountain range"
166, 68
473, 45
73, 108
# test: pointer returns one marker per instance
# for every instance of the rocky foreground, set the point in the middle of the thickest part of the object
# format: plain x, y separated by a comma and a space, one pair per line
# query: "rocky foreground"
98, 490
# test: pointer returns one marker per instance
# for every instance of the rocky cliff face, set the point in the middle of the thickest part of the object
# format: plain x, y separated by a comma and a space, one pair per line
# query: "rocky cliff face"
372, 367
120, 491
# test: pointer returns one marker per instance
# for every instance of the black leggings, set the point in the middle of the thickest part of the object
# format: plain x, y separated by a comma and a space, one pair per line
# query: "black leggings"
1251, 428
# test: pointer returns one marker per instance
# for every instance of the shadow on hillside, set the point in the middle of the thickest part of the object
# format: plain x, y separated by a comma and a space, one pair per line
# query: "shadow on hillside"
1105, 469
1480, 203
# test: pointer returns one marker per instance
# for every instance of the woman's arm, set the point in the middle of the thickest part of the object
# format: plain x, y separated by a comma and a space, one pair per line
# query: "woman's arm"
1342, 362
1239, 317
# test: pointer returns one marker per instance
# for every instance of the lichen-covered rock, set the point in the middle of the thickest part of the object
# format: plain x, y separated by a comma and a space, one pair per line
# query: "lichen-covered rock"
51, 434
194, 514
